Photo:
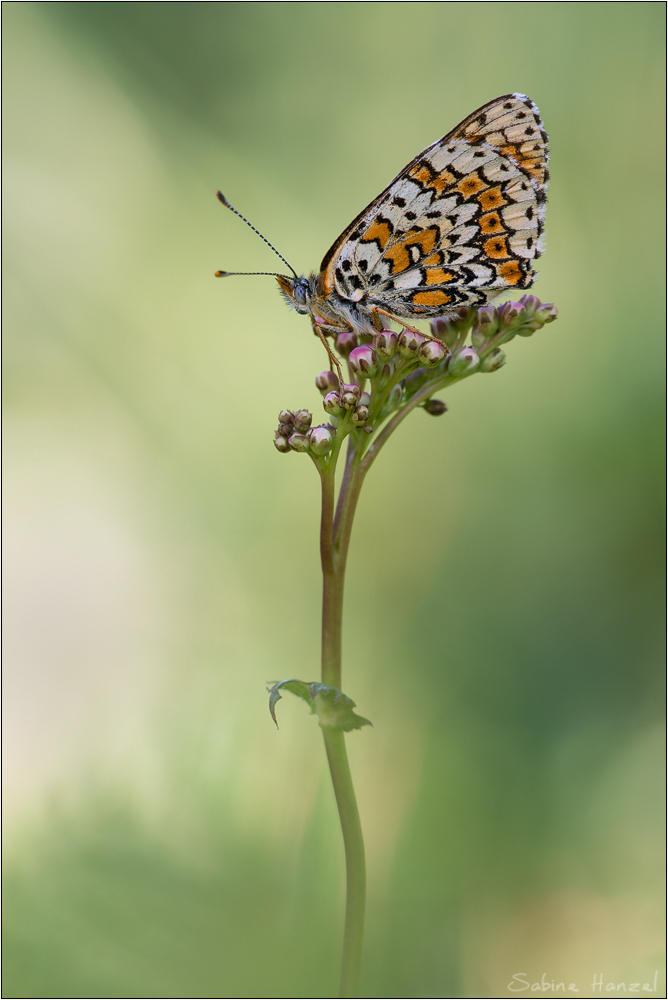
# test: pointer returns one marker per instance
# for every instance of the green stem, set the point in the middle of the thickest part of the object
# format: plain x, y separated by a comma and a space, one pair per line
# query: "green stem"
355, 863
334, 542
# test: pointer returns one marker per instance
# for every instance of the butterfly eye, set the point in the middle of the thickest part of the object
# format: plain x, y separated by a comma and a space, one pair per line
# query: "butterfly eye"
301, 293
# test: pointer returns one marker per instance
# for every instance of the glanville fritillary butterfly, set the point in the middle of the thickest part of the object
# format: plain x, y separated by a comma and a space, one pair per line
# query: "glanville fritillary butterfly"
459, 225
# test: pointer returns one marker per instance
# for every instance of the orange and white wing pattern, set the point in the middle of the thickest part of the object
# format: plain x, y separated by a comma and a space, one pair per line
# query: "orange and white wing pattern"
459, 225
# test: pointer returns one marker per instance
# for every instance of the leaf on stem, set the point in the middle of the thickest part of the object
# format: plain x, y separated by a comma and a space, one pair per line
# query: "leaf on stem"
333, 708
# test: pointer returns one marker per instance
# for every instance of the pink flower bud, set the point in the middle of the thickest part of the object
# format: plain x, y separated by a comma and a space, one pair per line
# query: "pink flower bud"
509, 312
432, 353
299, 442
530, 303
321, 439
385, 344
547, 312
494, 360
332, 405
349, 397
463, 362
485, 316
302, 420
363, 361
410, 343
326, 381
345, 342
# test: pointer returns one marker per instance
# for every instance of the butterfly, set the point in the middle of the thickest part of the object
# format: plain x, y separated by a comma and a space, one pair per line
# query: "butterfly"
462, 223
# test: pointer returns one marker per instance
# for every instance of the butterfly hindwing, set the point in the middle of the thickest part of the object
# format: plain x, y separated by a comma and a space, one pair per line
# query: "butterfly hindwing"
461, 223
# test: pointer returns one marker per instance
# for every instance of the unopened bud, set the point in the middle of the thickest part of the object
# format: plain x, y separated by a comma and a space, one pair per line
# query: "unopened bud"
286, 417
510, 312
350, 396
345, 342
326, 381
463, 362
444, 330
303, 420
495, 359
331, 404
548, 312
478, 338
486, 325
361, 415
432, 353
410, 343
365, 399
435, 406
485, 316
531, 304
368, 429
285, 430
299, 442
385, 344
363, 361
282, 444
321, 439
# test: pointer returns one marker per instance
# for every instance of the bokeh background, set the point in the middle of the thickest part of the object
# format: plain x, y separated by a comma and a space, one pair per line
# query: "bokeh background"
505, 599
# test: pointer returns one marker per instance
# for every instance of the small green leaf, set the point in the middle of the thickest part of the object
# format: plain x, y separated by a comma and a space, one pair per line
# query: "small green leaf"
333, 708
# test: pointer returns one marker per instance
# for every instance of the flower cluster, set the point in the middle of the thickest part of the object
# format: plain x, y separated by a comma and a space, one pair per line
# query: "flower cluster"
394, 372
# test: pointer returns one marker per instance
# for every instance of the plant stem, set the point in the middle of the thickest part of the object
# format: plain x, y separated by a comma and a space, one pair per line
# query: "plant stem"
334, 541
355, 862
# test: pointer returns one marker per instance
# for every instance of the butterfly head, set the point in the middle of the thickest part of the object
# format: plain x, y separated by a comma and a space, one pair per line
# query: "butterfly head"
298, 292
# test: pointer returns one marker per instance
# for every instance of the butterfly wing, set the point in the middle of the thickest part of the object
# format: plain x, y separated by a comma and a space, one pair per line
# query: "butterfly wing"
460, 224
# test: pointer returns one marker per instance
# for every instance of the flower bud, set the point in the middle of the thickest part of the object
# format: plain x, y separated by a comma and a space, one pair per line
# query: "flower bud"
302, 420
495, 359
285, 430
410, 343
326, 381
361, 414
531, 304
352, 390
365, 399
321, 439
368, 429
282, 444
485, 318
463, 362
332, 405
363, 361
444, 330
432, 353
345, 342
298, 442
385, 344
510, 312
548, 312
478, 338
349, 397
286, 417
435, 406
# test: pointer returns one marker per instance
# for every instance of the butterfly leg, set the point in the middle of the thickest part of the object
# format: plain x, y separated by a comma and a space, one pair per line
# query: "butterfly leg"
317, 329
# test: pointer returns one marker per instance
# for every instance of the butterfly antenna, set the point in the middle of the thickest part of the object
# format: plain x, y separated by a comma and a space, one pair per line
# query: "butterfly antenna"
223, 200
231, 274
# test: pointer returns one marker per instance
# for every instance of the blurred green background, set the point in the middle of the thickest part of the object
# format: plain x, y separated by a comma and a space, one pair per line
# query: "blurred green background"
504, 614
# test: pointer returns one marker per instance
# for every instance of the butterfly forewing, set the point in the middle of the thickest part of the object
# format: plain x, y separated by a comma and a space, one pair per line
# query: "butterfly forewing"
460, 224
